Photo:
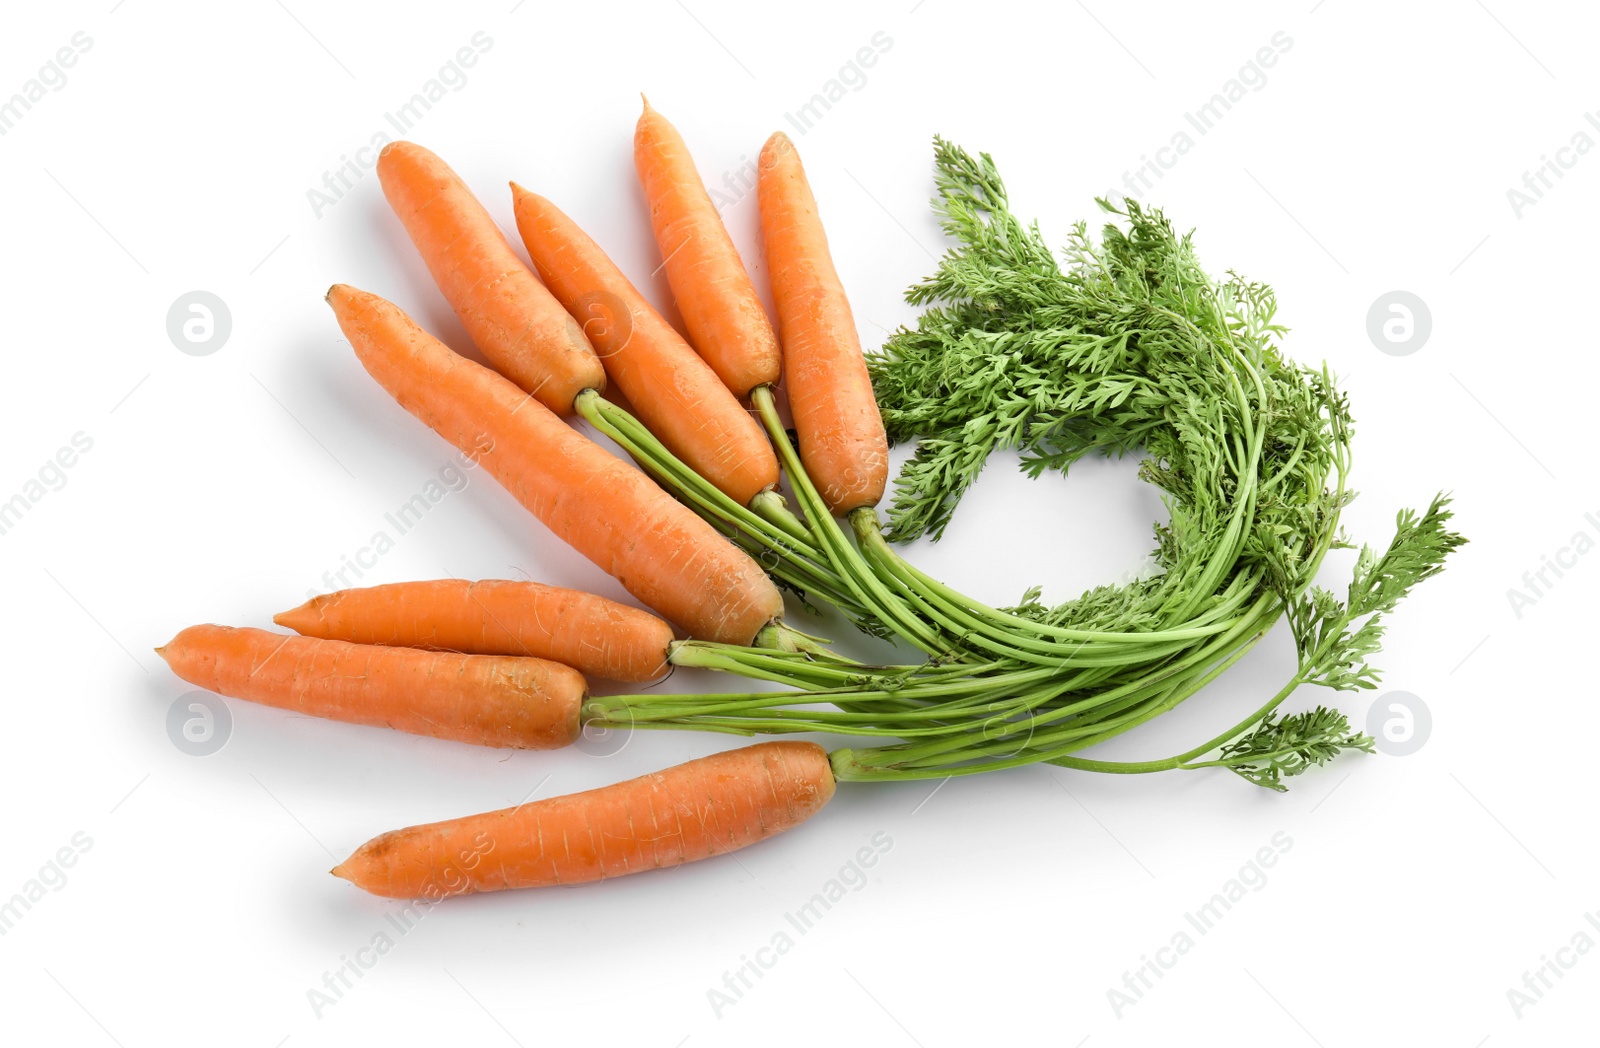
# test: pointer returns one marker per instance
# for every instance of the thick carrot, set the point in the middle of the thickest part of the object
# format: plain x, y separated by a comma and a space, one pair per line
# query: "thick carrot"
675, 393
610, 512
842, 441
523, 331
721, 310
488, 700
705, 807
599, 637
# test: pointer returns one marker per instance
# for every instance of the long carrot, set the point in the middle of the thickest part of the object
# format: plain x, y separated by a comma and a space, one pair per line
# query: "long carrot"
842, 441
705, 807
523, 331
487, 700
599, 637
675, 393
610, 512
721, 310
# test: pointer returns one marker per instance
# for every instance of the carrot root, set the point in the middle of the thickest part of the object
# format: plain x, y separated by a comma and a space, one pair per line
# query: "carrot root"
593, 635
664, 554
487, 700
705, 807
842, 440
523, 331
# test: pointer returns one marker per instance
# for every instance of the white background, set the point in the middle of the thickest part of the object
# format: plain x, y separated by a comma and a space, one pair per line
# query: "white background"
1377, 156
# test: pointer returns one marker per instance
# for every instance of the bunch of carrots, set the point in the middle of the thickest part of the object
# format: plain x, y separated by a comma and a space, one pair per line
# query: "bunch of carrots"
695, 529
503, 663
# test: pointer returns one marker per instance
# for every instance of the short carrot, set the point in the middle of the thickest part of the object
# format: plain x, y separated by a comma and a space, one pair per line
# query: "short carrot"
693, 811
487, 700
596, 636
523, 331
721, 310
842, 441
675, 393
610, 512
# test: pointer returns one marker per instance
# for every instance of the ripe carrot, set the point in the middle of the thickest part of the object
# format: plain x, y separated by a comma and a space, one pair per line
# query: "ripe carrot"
721, 310
523, 331
488, 700
675, 393
596, 636
842, 441
610, 512
695, 810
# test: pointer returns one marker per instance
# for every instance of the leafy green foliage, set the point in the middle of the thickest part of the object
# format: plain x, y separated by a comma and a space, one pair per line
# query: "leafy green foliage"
1127, 347
1333, 648
1281, 747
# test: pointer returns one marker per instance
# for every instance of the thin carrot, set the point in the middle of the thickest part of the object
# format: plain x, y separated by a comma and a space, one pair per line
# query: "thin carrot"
523, 331
842, 441
676, 394
487, 700
591, 634
721, 310
610, 512
693, 811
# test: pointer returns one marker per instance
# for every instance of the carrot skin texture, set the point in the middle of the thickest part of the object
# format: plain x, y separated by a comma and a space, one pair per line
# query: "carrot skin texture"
486, 700
842, 440
659, 550
693, 811
511, 317
675, 393
596, 636
723, 314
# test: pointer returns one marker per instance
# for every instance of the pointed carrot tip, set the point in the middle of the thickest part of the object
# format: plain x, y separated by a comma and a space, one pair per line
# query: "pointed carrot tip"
338, 871
646, 100
162, 651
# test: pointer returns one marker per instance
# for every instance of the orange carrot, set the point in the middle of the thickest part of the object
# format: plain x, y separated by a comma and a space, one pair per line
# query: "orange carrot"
842, 441
675, 393
495, 617
705, 807
523, 331
488, 700
610, 512
721, 310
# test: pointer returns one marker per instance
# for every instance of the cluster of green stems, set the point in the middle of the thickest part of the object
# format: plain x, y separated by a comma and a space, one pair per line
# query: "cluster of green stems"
995, 689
